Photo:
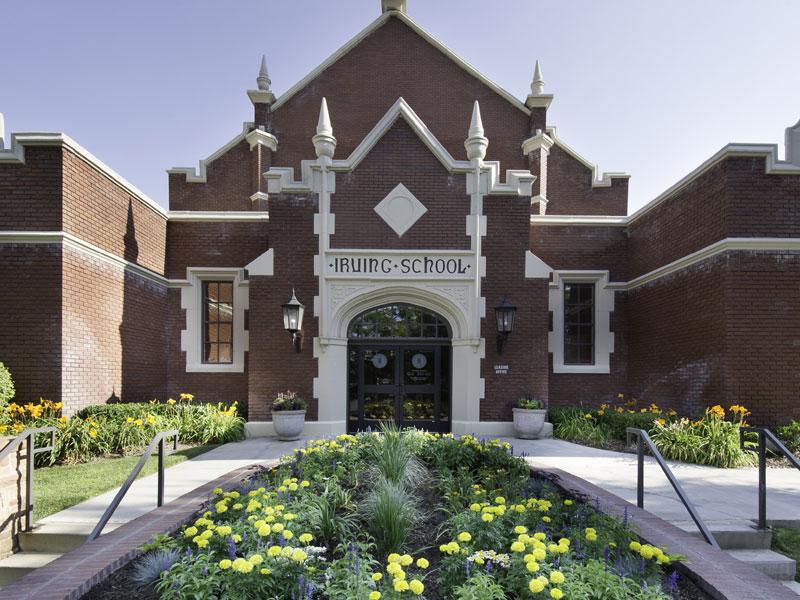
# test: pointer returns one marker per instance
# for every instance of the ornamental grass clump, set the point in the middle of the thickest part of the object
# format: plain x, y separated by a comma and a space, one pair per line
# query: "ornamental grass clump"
713, 440
390, 512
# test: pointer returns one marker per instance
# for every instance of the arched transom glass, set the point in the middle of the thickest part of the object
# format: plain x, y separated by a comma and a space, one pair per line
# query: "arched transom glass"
398, 321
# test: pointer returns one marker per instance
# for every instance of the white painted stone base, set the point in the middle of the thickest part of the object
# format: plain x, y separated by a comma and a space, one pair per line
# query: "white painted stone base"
311, 428
495, 428
333, 428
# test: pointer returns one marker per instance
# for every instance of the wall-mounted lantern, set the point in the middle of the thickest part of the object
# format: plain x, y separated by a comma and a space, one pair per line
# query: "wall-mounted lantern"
293, 321
504, 314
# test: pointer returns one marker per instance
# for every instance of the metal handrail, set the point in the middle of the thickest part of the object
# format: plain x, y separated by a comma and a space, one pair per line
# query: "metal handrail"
158, 440
642, 439
29, 437
763, 435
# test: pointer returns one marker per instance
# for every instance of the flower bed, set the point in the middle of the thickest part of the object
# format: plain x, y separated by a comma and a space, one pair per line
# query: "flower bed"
712, 439
119, 429
398, 515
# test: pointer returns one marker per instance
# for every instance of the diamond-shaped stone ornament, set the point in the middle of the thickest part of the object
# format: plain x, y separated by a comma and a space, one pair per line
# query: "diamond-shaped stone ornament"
400, 209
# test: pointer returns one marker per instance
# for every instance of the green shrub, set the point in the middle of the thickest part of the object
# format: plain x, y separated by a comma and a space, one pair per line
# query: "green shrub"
712, 440
578, 425
617, 423
7, 390
790, 436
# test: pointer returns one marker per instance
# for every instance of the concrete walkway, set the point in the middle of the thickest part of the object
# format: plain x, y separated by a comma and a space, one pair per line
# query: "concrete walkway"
718, 494
179, 479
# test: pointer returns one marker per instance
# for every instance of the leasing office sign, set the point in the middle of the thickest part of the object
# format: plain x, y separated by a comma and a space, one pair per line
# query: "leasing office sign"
400, 265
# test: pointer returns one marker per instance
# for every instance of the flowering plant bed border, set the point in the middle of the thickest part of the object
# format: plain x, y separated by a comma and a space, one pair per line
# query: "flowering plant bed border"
72, 576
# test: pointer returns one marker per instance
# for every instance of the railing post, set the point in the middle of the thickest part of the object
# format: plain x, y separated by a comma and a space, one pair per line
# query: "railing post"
160, 500
28, 481
762, 479
640, 472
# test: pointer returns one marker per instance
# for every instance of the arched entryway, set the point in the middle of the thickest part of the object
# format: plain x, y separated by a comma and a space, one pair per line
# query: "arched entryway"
399, 368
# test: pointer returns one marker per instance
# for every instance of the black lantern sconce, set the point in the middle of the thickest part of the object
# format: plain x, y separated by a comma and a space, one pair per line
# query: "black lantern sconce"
504, 314
293, 321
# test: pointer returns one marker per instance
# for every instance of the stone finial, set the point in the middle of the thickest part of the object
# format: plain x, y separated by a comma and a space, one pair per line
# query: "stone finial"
398, 5
537, 85
263, 79
792, 143
324, 142
476, 142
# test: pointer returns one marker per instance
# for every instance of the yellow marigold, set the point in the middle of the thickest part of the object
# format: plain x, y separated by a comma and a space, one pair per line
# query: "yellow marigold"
416, 587
265, 571
274, 551
287, 534
539, 554
225, 564
556, 577
635, 546
394, 557
406, 560
256, 559
465, 536
519, 529
298, 555
394, 568
376, 595
377, 576
535, 586
305, 537
401, 585
487, 517
423, 563
532, 566
556, 593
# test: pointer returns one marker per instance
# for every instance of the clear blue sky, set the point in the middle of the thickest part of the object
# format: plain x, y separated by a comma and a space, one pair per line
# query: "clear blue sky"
644, 87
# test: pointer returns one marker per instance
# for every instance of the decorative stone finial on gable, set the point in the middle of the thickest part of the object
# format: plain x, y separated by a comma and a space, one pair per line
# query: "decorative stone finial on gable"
398, 5
324, 142
263, 79
476, 143
262, 95
537, 98
792, 142
537, 85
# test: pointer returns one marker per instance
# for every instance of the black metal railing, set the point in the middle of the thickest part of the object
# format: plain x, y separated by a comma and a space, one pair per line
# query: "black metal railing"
642, 440
157, 441
28, 436
764, 435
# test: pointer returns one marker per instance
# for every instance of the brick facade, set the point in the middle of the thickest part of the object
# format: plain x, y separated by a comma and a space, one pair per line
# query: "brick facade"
93, 274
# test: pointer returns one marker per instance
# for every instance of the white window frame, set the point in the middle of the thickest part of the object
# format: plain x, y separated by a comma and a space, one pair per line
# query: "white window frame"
192, 302
603, 307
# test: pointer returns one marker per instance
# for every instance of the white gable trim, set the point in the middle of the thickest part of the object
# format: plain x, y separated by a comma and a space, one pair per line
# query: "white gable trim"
518, 182
436, 43
200, 175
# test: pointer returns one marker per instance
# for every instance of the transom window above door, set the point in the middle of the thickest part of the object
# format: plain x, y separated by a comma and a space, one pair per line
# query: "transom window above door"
398, 321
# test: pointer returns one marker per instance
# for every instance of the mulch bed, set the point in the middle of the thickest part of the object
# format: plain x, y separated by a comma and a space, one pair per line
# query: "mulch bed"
120, 586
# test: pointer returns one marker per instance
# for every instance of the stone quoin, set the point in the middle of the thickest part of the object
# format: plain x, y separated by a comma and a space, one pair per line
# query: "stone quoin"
400, 209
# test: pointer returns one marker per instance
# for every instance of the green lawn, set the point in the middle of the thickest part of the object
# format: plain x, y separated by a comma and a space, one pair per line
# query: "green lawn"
59, 487
787, 542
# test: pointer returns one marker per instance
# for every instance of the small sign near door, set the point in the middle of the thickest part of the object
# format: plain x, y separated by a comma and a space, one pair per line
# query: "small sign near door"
500, 369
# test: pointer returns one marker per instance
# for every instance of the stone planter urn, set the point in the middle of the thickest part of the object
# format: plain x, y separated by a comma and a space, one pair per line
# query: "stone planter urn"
528, 423
288, 424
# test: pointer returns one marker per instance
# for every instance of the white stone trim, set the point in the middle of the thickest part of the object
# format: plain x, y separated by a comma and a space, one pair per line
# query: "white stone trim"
263, 265
259, 137
400, 209
16, 154
598, 179
579, 220
200, 175
76, 243
214, 216
436, 43
192, 302
603, 336
535, 267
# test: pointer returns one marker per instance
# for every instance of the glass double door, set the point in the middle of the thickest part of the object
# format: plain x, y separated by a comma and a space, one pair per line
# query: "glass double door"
406, 383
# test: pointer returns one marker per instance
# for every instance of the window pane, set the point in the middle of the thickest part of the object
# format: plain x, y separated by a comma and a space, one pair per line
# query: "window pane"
218, 322
579, 323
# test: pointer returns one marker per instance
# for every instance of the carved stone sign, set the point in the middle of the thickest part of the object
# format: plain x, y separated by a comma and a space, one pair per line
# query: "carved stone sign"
422, 265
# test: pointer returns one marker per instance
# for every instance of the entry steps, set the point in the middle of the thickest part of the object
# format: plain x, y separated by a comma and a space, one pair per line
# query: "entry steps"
743, 541
42, 545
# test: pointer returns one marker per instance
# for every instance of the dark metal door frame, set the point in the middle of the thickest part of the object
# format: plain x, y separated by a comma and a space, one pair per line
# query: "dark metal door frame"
399, 388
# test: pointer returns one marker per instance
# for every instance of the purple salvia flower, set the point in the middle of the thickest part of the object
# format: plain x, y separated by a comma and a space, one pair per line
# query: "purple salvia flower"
203, 571
231, 548
672, 581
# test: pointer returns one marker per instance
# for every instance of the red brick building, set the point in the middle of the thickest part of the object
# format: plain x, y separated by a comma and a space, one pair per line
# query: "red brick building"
402, 196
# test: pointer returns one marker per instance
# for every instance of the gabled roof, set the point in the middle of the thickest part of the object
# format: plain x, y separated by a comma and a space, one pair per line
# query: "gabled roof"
435, 42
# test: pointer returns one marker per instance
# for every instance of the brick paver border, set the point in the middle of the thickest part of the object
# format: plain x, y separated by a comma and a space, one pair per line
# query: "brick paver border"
714, 571
72, 575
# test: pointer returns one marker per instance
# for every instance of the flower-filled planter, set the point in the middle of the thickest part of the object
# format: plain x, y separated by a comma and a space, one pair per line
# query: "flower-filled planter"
529, 418
288, 416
